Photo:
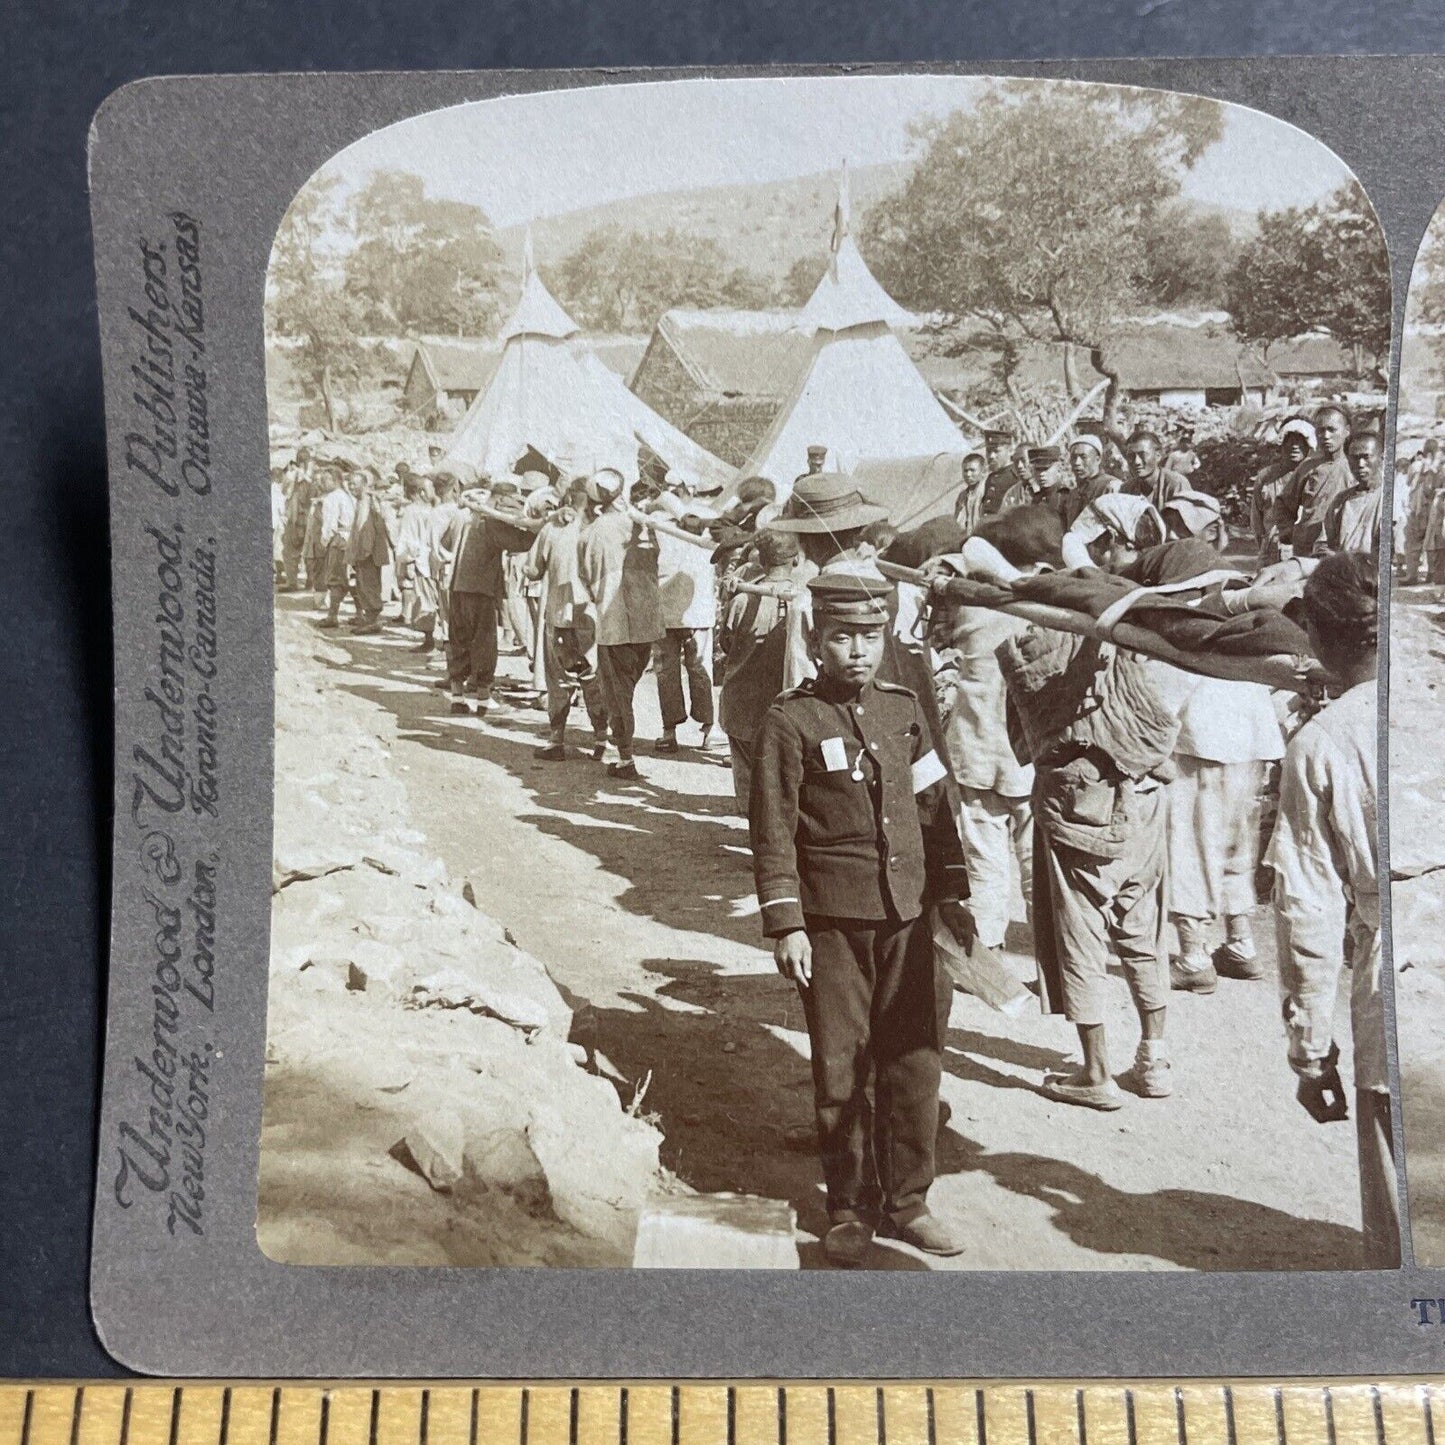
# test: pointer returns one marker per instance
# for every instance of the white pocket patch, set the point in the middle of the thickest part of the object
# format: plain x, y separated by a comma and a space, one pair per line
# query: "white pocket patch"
835, 755
927, 771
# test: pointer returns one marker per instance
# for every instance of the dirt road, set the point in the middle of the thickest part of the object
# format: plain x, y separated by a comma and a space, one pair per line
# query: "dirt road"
639, 899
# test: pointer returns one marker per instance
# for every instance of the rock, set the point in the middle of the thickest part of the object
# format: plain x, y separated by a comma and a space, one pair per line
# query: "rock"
388, 928
468, 892
373, 967
716, 1231
296, 859
435, 1150
505, 983
600, 1162
503, 1159
604, 1066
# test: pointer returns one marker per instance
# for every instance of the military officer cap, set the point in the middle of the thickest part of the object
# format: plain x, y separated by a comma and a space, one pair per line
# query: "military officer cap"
1044, 456
997, 437
850, 597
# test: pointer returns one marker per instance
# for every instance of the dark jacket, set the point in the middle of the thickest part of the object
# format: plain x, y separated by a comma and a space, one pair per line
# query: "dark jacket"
849, 815
479, 544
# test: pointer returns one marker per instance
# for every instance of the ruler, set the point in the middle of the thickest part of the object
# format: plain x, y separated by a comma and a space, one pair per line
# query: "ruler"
1106, 1413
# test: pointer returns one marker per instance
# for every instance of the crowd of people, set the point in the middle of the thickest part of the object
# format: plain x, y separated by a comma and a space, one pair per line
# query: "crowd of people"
1420, 506
910, 763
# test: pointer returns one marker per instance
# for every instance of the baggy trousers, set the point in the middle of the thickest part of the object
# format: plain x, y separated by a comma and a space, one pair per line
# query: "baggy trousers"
472, 641
991, 826
291, 557
875, 1009
368, 590
1099, 903
684, 650
338, 578
620, 667
1213, 837
569, 670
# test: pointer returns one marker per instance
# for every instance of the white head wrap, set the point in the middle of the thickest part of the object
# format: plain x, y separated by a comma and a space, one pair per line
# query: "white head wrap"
1194, 510
1124, 515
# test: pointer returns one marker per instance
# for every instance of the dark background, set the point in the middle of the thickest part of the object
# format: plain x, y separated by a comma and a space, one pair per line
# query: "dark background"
61, 60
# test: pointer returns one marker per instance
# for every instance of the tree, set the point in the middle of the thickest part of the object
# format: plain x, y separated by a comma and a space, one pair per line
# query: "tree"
802, 279
308, 302
1422, 347
1188, 256
420, 263
1316, 268
1030, 213
616, 280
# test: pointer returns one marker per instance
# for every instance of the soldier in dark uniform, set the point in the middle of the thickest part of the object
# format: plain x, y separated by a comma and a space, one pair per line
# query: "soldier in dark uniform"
854, 844
1004, 472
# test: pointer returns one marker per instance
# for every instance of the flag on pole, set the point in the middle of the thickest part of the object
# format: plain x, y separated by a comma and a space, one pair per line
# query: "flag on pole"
840, 222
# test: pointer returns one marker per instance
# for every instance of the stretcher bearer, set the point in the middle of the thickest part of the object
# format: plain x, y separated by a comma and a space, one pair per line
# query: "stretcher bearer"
1327, 891
1099, 724
853, 841
1229, 735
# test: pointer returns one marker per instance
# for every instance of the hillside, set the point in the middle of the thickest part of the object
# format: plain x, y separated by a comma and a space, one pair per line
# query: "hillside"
763, 227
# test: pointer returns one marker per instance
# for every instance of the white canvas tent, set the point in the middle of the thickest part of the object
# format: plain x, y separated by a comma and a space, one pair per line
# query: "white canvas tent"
860, 394
550, 395
684, 457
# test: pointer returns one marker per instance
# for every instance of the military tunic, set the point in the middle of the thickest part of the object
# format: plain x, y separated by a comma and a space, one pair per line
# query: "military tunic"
853, 835
997, 486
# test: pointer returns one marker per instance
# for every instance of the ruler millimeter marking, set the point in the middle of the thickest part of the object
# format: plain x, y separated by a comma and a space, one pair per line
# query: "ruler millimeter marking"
903, 1413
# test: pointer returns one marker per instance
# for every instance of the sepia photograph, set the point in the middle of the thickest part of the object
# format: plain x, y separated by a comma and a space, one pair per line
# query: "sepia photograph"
825, 688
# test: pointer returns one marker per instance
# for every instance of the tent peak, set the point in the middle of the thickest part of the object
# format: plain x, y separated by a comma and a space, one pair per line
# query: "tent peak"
849, 294
538, 312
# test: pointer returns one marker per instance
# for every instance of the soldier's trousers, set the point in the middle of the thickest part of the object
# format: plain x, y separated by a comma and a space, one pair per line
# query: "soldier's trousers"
874, 1010
472, 642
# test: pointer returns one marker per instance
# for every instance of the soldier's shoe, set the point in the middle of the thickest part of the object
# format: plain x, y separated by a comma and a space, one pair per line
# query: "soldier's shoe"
846, 1245
599, 751
1231, 960
1186, 977
460, 707
1150, 1078
552, 753
927, 1232
627, 771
